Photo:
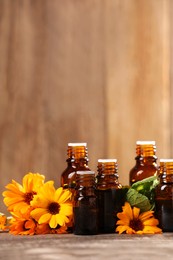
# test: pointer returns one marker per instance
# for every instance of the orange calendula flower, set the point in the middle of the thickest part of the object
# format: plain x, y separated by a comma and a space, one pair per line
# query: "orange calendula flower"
52, 206
22, 224
46, 229
18, 197
3, 222
132, 222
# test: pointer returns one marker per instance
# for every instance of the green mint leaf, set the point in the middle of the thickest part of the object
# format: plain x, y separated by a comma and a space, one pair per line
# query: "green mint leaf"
146, 185
138, 200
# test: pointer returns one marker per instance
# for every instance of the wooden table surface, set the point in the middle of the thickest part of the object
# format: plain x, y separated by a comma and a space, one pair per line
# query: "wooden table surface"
69, 246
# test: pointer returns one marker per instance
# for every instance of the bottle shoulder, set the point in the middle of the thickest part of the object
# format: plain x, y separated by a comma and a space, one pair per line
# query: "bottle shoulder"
164, 191
68, 170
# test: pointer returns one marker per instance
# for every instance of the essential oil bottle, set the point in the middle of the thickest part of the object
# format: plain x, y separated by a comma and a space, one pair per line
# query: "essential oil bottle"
77, 159
108, 192
146, 161
85, 207
164, 195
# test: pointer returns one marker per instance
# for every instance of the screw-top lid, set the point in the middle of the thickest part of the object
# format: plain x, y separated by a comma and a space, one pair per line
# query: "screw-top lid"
166, 160
166, 166
145, 143
77, 144
146, 148
107, 160
107, 166
77, 150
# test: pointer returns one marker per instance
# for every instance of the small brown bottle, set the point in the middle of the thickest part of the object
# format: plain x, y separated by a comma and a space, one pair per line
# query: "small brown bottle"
77, 160
85, 207
108, 193
164, 195
146, 161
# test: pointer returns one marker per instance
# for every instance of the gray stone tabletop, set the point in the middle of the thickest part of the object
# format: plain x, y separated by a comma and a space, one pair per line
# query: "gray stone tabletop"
71, 247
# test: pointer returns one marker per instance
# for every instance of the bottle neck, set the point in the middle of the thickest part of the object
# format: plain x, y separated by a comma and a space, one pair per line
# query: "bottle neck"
150, 160
70, 162
81, 163
166, 178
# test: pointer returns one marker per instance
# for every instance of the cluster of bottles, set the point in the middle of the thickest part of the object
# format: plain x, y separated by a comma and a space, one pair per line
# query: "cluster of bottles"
98, 198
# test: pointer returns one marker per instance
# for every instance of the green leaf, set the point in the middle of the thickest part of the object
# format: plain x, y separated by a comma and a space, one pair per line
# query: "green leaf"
146, 185
138, 200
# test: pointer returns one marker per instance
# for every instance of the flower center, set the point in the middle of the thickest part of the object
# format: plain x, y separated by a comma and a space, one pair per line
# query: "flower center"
29, 196
54, 208
136, 224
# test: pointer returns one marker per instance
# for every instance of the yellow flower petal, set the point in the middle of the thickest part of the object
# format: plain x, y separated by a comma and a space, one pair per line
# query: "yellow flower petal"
53, 221
61, 219
48, 191
130, 231
151, 222
122, 222
66, 209
58, 193
121, 229
123, 217
152, 230
45, 218
145, 215
136, 212
128, 210
66, 195
37, 213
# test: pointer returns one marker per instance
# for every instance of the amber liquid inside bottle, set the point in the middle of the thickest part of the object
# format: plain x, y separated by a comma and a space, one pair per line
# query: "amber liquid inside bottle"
164, 196
146, 162
85, 206
109, 195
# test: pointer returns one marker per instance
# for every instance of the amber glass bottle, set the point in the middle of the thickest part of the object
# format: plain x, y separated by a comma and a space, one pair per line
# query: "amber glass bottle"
77, 154
108, 193
146, 161
85, 205
164, 195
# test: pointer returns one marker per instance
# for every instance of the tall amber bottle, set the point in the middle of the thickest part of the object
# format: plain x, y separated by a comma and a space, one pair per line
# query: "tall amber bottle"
85, 205
109, 201
77, 160
146, 161
164, 195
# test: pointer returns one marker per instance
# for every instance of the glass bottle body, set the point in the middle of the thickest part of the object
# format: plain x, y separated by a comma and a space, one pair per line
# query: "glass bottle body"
146, 162
85, 204
69, 171
164, 196
108, 192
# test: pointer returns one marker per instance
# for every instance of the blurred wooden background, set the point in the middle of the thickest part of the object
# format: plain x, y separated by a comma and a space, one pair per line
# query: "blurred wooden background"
95, 71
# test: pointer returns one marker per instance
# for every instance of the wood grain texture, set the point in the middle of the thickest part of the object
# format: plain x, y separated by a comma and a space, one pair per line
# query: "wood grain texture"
138, 87
52, 79
72, 247
92, 71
